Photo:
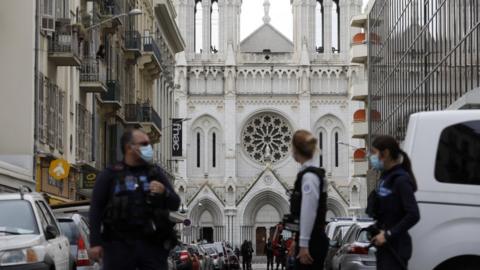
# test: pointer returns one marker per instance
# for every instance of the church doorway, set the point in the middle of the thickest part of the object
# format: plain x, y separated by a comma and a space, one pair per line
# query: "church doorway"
261, 239
207, 234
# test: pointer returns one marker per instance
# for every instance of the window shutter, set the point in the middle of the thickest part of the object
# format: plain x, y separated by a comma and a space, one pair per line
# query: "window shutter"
48, 15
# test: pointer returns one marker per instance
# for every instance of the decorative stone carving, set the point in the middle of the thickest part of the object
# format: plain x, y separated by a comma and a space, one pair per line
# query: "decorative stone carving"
263, 131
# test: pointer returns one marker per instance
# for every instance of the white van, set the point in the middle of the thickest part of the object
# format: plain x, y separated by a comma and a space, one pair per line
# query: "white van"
445, 151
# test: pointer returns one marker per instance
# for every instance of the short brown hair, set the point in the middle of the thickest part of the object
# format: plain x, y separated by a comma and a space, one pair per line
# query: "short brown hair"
305, 143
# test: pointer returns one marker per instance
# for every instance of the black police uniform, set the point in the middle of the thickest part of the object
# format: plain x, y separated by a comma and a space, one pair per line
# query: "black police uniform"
129, 222
395, 210
318, 244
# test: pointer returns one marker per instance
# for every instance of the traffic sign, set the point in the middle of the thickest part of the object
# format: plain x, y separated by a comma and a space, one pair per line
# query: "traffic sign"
187, 222
59, 169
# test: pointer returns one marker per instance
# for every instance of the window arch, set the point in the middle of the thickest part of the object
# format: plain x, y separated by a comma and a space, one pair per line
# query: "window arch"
321, 145
198, 26
335, 26
336, 149
214, 150
198, 146
214, 27
319, 27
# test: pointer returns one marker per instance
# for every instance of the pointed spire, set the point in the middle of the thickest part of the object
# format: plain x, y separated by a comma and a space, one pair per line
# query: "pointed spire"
266, 7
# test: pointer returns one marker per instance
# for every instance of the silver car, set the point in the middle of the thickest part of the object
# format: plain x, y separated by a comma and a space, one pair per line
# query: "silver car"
355, 252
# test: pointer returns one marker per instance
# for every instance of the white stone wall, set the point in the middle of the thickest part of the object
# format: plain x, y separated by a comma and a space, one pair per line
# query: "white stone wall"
221, 92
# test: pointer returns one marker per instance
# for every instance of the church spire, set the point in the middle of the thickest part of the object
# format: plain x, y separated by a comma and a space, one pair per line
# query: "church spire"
266, 7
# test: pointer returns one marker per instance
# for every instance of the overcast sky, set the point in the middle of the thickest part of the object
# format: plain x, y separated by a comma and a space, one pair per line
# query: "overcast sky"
280, 12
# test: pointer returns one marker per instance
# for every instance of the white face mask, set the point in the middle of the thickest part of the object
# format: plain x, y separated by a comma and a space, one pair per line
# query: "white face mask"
146, 153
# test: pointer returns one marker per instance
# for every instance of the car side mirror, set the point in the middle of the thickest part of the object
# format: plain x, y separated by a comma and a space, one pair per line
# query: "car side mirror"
51, 232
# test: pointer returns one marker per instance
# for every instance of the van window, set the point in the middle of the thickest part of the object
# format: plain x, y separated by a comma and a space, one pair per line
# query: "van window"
458, 154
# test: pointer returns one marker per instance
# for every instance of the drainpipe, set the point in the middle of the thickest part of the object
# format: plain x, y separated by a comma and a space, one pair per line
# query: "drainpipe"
35, 88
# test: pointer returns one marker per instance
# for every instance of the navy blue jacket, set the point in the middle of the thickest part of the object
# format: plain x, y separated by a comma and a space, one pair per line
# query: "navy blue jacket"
396, 209
103, 190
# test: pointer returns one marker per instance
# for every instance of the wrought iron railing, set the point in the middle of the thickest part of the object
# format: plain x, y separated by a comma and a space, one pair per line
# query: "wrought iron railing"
423, 55
142, 113
151, 45
113, 93
63, 42
133, 40
92, 71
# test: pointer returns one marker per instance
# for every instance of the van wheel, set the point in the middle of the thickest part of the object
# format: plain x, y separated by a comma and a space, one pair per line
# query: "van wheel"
462, 262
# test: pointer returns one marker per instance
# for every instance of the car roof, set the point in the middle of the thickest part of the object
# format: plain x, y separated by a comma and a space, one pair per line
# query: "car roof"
18, 196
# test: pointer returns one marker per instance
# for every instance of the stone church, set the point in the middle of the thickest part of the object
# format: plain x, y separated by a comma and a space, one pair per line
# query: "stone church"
241, 101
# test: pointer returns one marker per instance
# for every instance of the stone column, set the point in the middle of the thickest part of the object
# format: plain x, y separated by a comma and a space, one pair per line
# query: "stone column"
327, 28
230, 127
180, 98
304, 99
207, 26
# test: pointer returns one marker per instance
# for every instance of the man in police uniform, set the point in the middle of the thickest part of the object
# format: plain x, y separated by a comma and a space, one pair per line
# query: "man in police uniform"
131, 200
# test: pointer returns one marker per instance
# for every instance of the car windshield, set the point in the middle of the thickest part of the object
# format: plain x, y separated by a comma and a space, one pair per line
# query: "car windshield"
70, 230
17, 217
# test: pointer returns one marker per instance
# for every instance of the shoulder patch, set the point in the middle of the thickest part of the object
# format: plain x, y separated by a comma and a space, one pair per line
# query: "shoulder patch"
307, 188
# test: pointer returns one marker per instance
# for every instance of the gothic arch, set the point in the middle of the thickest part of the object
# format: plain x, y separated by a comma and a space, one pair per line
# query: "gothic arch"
261, 199
206, 204
336, 208
330, 125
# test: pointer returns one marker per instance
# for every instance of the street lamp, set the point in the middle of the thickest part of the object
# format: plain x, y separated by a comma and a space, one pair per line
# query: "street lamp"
133, 12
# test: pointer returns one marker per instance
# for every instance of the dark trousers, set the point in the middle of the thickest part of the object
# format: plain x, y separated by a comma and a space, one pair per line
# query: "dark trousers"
318, 248
247, 261
387, 260
134, 255
281, 262
269, 262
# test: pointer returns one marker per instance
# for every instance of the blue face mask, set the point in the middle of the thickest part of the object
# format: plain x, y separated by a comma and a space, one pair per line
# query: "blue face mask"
376, 163
146, 153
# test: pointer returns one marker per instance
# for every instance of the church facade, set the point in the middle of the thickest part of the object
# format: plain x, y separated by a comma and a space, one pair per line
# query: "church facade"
241, 101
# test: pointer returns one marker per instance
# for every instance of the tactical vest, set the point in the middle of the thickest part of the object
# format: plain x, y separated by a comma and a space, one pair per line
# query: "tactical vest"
128, 207
296, 199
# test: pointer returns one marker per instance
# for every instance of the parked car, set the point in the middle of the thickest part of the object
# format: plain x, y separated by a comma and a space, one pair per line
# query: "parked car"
218, 261
79, 207
345, 222
182, 257
444, 148
30, 237
335, 243
206, 261
355, 252
76, 229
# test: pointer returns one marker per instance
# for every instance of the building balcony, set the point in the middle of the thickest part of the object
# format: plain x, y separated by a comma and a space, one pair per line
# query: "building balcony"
145, 116
63, 49
112, 99
133, 44
360, 162
150, 60
111, 9
359, 49
359, 91
360, 124
359, 21
93, 76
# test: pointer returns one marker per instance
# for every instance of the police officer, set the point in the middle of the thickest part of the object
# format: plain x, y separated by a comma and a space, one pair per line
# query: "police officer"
129, 210
392, 204
308, 204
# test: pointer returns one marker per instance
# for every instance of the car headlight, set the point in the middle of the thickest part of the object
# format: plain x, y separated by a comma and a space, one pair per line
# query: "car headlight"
22, 256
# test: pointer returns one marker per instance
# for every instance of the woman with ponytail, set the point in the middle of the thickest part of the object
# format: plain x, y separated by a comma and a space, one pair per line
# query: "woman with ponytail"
392, 204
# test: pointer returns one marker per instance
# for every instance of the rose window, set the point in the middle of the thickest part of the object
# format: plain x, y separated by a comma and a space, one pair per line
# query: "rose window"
267, 135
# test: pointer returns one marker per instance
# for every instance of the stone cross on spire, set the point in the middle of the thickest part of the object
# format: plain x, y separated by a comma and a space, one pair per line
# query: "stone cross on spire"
266, 7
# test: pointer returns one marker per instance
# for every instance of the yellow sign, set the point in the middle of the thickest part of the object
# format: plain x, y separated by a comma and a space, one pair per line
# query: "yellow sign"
59, 169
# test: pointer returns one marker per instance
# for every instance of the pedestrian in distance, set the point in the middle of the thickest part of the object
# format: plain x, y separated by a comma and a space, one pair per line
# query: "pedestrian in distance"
129, 211
392, 204
247, 251
269, 254
308, 204
282, 252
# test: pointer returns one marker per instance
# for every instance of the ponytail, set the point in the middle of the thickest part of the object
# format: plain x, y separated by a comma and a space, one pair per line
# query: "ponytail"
407, 166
